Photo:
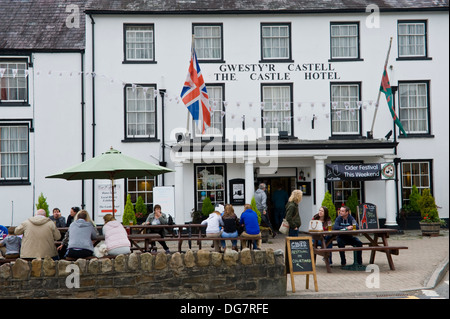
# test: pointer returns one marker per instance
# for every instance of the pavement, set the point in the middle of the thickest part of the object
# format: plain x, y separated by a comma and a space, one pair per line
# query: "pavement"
419, 267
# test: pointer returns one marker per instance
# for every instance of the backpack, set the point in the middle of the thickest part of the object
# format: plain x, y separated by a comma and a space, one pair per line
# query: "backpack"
170, 220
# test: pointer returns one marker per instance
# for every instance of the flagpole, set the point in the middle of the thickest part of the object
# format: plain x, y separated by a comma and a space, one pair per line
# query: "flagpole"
370, 135
187, 118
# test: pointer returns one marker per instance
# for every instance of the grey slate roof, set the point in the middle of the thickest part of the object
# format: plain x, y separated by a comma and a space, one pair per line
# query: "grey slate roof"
40, 25
261, 6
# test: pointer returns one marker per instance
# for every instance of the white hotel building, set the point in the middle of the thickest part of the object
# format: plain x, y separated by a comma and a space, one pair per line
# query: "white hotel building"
293, 87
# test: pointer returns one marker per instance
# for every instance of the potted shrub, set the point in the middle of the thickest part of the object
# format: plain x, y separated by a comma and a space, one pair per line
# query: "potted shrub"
352, 203
141, 210
430, 223
42, 204
410, 213
328, 203
129, 218
265, 231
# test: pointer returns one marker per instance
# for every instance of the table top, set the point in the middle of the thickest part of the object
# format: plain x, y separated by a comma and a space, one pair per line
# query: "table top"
352, 232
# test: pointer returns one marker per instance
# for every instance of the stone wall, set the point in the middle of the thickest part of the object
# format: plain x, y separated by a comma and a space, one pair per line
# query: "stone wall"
194, 274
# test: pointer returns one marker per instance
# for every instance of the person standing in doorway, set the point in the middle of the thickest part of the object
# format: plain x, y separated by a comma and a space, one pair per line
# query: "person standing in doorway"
261, 205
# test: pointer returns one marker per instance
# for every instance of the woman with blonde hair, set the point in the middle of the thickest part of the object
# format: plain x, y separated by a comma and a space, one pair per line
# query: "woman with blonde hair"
292, 213
116, 238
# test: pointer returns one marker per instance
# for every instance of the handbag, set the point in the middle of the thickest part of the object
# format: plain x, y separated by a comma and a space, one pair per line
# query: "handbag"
315, 225
284, 228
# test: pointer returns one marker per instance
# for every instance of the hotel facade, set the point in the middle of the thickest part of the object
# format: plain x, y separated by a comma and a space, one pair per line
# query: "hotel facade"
293, 89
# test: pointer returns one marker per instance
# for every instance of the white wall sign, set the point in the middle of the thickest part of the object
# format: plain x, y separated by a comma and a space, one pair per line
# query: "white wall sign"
104, 200
165, 197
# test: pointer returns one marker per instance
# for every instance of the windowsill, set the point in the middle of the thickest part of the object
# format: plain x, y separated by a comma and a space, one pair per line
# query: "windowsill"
141, 140
211, 61
14, 104
347, 137
411, 135
413, 58
14, 183
138, 62
345, 60
276, 61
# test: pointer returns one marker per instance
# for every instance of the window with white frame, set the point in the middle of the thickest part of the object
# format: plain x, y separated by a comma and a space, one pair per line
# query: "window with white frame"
140, 111
13, 81
276, 41
345, 112
143, 187
414, 173
13, 152
413, 106
344, 40
277, 109
215, 94
342, 190
208, 41
210, 182
139, 43
412, 39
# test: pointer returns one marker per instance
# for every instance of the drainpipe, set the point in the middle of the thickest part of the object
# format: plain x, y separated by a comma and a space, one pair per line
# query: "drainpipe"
93, 108
163, 163
83, 152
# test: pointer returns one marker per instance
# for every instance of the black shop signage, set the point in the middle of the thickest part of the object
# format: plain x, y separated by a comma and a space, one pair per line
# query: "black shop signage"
359, 172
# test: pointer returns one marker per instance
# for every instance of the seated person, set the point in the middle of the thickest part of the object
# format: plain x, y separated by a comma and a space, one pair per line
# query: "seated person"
59, 220
345, 222
12, 244
81, 233
324, 217
251, 227
116, 238
158, 218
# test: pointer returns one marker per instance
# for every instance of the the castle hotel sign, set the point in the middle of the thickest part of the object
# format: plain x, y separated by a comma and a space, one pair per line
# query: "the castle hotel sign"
275, 72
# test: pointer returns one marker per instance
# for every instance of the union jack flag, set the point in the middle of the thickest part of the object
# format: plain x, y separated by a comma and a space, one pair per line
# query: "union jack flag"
195, 96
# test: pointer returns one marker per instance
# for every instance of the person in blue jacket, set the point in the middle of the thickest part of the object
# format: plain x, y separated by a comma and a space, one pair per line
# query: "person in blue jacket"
251, 226
345, 222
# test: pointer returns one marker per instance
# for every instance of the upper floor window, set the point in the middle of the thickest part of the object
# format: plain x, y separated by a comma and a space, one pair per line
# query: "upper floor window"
13, 152
139, 43
413, 106
140, 111
277, 109
216, 95
276, 41
13, 82
345, 112
208, 42
412, 39
344, 40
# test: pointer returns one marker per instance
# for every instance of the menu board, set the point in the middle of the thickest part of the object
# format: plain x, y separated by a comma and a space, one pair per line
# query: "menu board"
300, 259
367, 216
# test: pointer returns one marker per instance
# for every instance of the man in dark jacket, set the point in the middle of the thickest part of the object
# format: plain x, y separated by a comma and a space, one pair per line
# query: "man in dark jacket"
345, 222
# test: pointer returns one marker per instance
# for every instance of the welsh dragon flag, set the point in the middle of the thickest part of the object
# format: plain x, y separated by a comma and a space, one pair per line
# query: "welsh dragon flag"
386, 89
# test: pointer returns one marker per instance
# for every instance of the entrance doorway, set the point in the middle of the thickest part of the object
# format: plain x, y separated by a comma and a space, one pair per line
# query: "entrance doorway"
288, 184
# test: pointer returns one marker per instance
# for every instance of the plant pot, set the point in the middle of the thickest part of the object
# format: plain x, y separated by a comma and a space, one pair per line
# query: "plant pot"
430, 229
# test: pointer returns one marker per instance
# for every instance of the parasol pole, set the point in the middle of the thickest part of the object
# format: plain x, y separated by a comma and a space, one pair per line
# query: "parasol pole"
112, 192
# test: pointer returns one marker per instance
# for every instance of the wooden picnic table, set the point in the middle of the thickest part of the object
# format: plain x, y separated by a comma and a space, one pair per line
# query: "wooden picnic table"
372, 235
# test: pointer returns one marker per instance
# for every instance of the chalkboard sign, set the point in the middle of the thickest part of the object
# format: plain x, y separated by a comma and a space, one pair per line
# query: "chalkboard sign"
367, 216
300, 259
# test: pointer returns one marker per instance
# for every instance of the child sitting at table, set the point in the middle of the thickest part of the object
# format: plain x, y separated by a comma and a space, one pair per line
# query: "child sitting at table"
12, 244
